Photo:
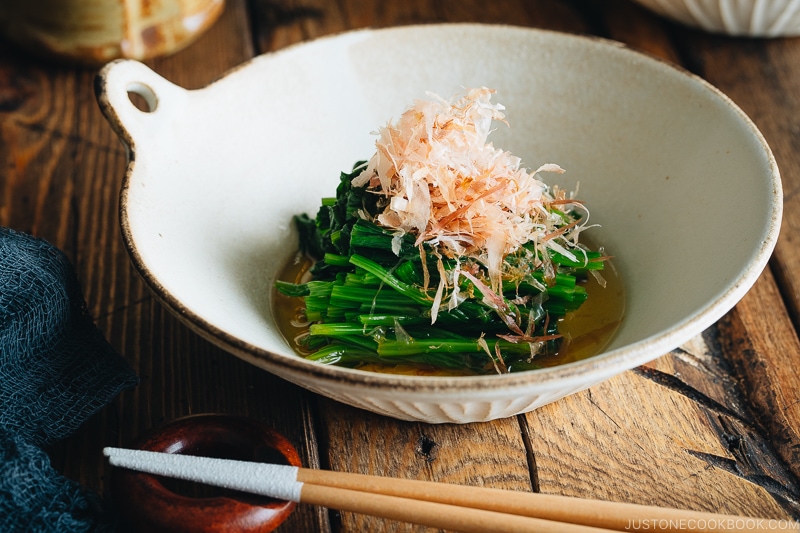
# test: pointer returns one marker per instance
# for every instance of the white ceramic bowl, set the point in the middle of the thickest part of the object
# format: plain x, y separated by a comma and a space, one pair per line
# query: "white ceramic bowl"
753, 18
684, 186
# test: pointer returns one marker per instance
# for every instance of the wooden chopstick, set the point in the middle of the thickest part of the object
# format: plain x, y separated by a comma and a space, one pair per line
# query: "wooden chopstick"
433, 514
564, 509
446, 506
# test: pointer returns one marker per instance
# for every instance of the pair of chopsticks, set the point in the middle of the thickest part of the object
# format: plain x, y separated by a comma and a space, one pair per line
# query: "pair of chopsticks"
446, 506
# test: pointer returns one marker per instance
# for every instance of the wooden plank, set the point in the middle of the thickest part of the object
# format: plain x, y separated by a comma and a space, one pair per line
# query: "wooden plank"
358, 441
630, 439
763, 78
759, 337
640, 29
709, 378
180, 364
701, 371
65, 171
759, 348
491, 454
559, 16
764, 350
278, 25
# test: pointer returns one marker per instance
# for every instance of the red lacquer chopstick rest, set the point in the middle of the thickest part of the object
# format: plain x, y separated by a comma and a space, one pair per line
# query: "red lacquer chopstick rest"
156, 504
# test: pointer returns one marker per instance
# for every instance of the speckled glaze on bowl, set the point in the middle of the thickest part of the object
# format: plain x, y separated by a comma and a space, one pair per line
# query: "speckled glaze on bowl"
684, 186
751, 18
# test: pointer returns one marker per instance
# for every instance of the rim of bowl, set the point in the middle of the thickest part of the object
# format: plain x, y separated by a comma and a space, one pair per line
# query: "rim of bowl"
595, 368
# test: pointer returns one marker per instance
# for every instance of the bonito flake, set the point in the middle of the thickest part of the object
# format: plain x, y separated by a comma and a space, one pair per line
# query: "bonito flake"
446, 185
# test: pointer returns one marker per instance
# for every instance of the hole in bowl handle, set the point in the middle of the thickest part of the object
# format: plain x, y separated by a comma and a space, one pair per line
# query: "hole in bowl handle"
135, 100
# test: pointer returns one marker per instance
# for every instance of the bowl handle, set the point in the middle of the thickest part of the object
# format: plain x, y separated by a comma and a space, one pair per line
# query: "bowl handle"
118, 81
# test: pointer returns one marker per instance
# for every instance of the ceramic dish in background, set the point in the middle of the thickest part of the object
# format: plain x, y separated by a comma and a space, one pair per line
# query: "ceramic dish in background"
93, 32
752, 18
685, 188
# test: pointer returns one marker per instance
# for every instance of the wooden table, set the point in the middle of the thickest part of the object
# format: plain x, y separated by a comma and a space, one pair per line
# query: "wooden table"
713, 425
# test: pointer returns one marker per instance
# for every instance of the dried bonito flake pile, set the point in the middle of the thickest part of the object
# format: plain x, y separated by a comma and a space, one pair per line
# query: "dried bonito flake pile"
450, 188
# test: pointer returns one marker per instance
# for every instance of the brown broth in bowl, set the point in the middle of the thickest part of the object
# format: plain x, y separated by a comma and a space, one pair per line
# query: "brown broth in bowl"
586, 331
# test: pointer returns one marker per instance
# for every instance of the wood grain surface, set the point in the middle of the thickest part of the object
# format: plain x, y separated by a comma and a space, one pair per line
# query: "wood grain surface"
714, 425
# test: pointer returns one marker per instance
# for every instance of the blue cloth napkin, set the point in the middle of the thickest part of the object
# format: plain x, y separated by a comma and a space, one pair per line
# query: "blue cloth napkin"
56, 370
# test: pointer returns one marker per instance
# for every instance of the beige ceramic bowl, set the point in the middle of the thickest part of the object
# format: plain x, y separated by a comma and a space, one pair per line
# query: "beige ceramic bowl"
685, 188
93, 32
753, 18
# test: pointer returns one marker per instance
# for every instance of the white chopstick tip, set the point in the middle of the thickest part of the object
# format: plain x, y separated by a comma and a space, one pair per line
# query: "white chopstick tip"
275, 481
111, 453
